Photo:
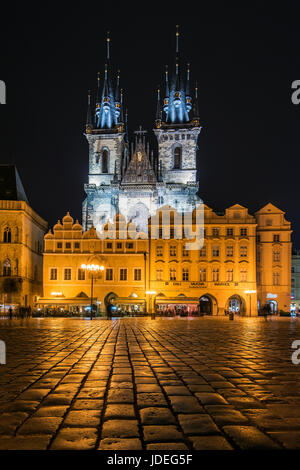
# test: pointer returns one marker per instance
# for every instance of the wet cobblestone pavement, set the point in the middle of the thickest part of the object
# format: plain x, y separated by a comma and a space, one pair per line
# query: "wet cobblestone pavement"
135, 384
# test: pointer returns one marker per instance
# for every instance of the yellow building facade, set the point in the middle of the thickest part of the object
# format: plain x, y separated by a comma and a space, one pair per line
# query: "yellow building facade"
243, 265
21, 254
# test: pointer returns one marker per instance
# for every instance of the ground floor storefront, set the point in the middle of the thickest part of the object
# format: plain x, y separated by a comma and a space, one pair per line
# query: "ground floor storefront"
161, 304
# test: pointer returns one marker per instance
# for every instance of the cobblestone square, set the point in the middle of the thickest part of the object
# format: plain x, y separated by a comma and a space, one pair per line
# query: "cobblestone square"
164, 384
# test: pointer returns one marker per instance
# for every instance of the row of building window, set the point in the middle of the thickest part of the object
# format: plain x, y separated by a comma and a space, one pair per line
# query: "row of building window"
108, 246
109, 274
203, 275
203, 252
177, 137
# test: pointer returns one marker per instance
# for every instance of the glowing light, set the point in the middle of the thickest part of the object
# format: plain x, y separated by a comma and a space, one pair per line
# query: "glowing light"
57, 293
92, 267
249, 291
150, 292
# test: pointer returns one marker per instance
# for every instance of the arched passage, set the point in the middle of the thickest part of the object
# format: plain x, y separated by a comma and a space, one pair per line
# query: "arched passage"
109, 301
236, 304
208, 305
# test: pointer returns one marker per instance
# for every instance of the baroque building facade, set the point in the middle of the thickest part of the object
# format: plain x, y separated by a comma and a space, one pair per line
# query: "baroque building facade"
21, 244
244, 262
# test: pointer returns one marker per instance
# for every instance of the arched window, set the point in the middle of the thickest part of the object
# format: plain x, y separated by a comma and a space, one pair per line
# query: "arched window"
16, 235
7, 268
7, 235
177, 158
105, 161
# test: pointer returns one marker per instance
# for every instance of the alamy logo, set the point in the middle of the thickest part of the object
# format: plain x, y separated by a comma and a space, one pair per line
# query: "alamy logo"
296, 354
2, 92
2, 352
296, 94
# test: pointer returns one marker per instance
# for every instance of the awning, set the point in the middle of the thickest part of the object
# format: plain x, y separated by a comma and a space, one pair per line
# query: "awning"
177, 300
64, 301
128, 300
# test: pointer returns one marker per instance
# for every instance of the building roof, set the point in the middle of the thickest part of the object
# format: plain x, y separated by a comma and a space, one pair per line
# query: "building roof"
11, 187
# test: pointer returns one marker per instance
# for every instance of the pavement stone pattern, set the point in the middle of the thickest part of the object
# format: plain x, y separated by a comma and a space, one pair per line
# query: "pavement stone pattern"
142, 384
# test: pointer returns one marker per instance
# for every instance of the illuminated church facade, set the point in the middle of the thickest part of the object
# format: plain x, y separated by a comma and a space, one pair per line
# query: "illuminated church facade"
132, 179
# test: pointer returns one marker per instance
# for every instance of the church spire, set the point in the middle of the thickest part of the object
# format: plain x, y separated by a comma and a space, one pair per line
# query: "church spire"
108, 105
158, 110
89, 124
177, 102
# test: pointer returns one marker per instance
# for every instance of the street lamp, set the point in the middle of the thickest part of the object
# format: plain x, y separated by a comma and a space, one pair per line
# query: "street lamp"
92, 268
150, 293
250, 292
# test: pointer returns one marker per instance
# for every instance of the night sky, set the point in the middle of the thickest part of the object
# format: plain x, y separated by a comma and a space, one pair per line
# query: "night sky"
244, 61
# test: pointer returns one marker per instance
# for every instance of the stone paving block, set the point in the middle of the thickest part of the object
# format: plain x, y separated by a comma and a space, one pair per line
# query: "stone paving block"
177, 390
116, 444
88, 392
40, 425
200, 424
229, 416
54, 411
210, 398
120, 385
154, 415
119, 428
57, 400
75, 439
82, 418
150, 399
23, 406
289, 439
10, 421
250, 438
210, 443
121, 411
87, 404
148, 388
25, 442
185, 404
120, 396
266, 420
161, 433
245, 403
34, 394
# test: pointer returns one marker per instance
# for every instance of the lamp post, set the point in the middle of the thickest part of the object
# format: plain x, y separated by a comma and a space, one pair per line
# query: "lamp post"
92, 268
250, 292
151, 293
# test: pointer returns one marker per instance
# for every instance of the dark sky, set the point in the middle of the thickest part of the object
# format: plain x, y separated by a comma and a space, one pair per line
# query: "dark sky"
244, 60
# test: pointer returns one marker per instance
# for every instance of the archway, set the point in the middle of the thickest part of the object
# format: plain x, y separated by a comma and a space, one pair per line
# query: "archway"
236, 304
272, 307
208, 305
109, 302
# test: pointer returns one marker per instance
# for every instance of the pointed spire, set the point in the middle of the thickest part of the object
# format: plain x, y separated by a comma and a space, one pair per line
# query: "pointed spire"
121, 119
177, 40
158, 107
89, 124
117, 92
196, 105
167, 82
107, 46
187, 89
